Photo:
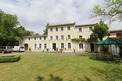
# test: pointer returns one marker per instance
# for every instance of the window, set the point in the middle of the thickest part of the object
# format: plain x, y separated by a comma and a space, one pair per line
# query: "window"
118, 34
44, 38
90, 28
35, 46
62, 37
40, 46
34, 38
51, 29
69, 37
62, 29
62, 45
91, 37
56, 37
80, 37
51, 37
68, 27
80, 46
45, 46
40, 38
56, 29
69, 45
80, 29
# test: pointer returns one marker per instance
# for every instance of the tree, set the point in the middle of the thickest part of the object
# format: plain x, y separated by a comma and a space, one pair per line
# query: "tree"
30, 33
7, 25
78, 40
10, 33
112, 10
93, 38
100, 30
46, 30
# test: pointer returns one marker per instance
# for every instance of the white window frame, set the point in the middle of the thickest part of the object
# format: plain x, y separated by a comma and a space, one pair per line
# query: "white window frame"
51, 37
35, 46
79, 36
81, 29
40, 46
56, 37
63, 46
62, 36
70, 46
56, 29
51, 29
62, 29
81, 46
40, 38
45, 38
89, 28
45, 46
68, 28
69, 36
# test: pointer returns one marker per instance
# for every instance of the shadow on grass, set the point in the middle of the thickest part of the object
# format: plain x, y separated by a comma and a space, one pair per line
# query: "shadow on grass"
39, 78
110, 72
85, 79
107, 58
56, 78
51, 78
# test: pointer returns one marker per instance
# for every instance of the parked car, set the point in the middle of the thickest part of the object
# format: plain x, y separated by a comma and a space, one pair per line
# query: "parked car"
18, 49
5, 49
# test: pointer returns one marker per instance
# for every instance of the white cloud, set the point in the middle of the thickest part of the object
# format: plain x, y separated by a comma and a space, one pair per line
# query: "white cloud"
35, 14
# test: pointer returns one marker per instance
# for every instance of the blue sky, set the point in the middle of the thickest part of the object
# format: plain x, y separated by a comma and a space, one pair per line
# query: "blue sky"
35, 14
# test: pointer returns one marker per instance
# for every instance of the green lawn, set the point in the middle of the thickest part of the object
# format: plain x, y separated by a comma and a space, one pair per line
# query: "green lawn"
67, 68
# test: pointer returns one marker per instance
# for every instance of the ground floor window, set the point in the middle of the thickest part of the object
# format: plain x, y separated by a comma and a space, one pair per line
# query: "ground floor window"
35, 45
80, 46
69, 45
54, 46
62, 45
45, 46
40, 46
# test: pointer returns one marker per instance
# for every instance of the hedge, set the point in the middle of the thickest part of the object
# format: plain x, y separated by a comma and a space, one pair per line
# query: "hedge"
6, 59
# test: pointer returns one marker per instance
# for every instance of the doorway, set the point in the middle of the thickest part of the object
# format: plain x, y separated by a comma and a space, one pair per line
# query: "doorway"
26, 46
54, 46
92, 47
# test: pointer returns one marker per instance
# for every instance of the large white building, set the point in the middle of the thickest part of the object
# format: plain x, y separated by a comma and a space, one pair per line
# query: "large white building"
60, 37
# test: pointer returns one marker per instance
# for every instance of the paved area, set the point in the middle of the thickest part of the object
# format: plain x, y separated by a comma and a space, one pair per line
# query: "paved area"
53, 53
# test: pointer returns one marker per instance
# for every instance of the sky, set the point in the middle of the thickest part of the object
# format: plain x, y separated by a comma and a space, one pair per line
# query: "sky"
35, 14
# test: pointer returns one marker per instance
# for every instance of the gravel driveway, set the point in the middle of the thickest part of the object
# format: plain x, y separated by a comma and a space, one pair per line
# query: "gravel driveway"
55, 53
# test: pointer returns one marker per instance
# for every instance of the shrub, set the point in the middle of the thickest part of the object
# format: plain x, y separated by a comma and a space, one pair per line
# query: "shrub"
47, 49
74, 50
57, 49
5, 59
61, 50
120, 53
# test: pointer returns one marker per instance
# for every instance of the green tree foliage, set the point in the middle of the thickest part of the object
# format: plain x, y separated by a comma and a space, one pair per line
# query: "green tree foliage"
78, 40
112, 10
100, 30
45, 31
93, 38
10, 33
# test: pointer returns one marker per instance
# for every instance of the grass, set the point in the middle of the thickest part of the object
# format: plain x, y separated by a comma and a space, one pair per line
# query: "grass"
65, 68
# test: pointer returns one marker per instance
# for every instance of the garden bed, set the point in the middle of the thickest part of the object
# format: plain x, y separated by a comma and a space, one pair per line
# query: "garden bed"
9, 58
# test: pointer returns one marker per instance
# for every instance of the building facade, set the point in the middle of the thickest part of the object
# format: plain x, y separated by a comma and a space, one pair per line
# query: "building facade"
115, 34
60, 37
